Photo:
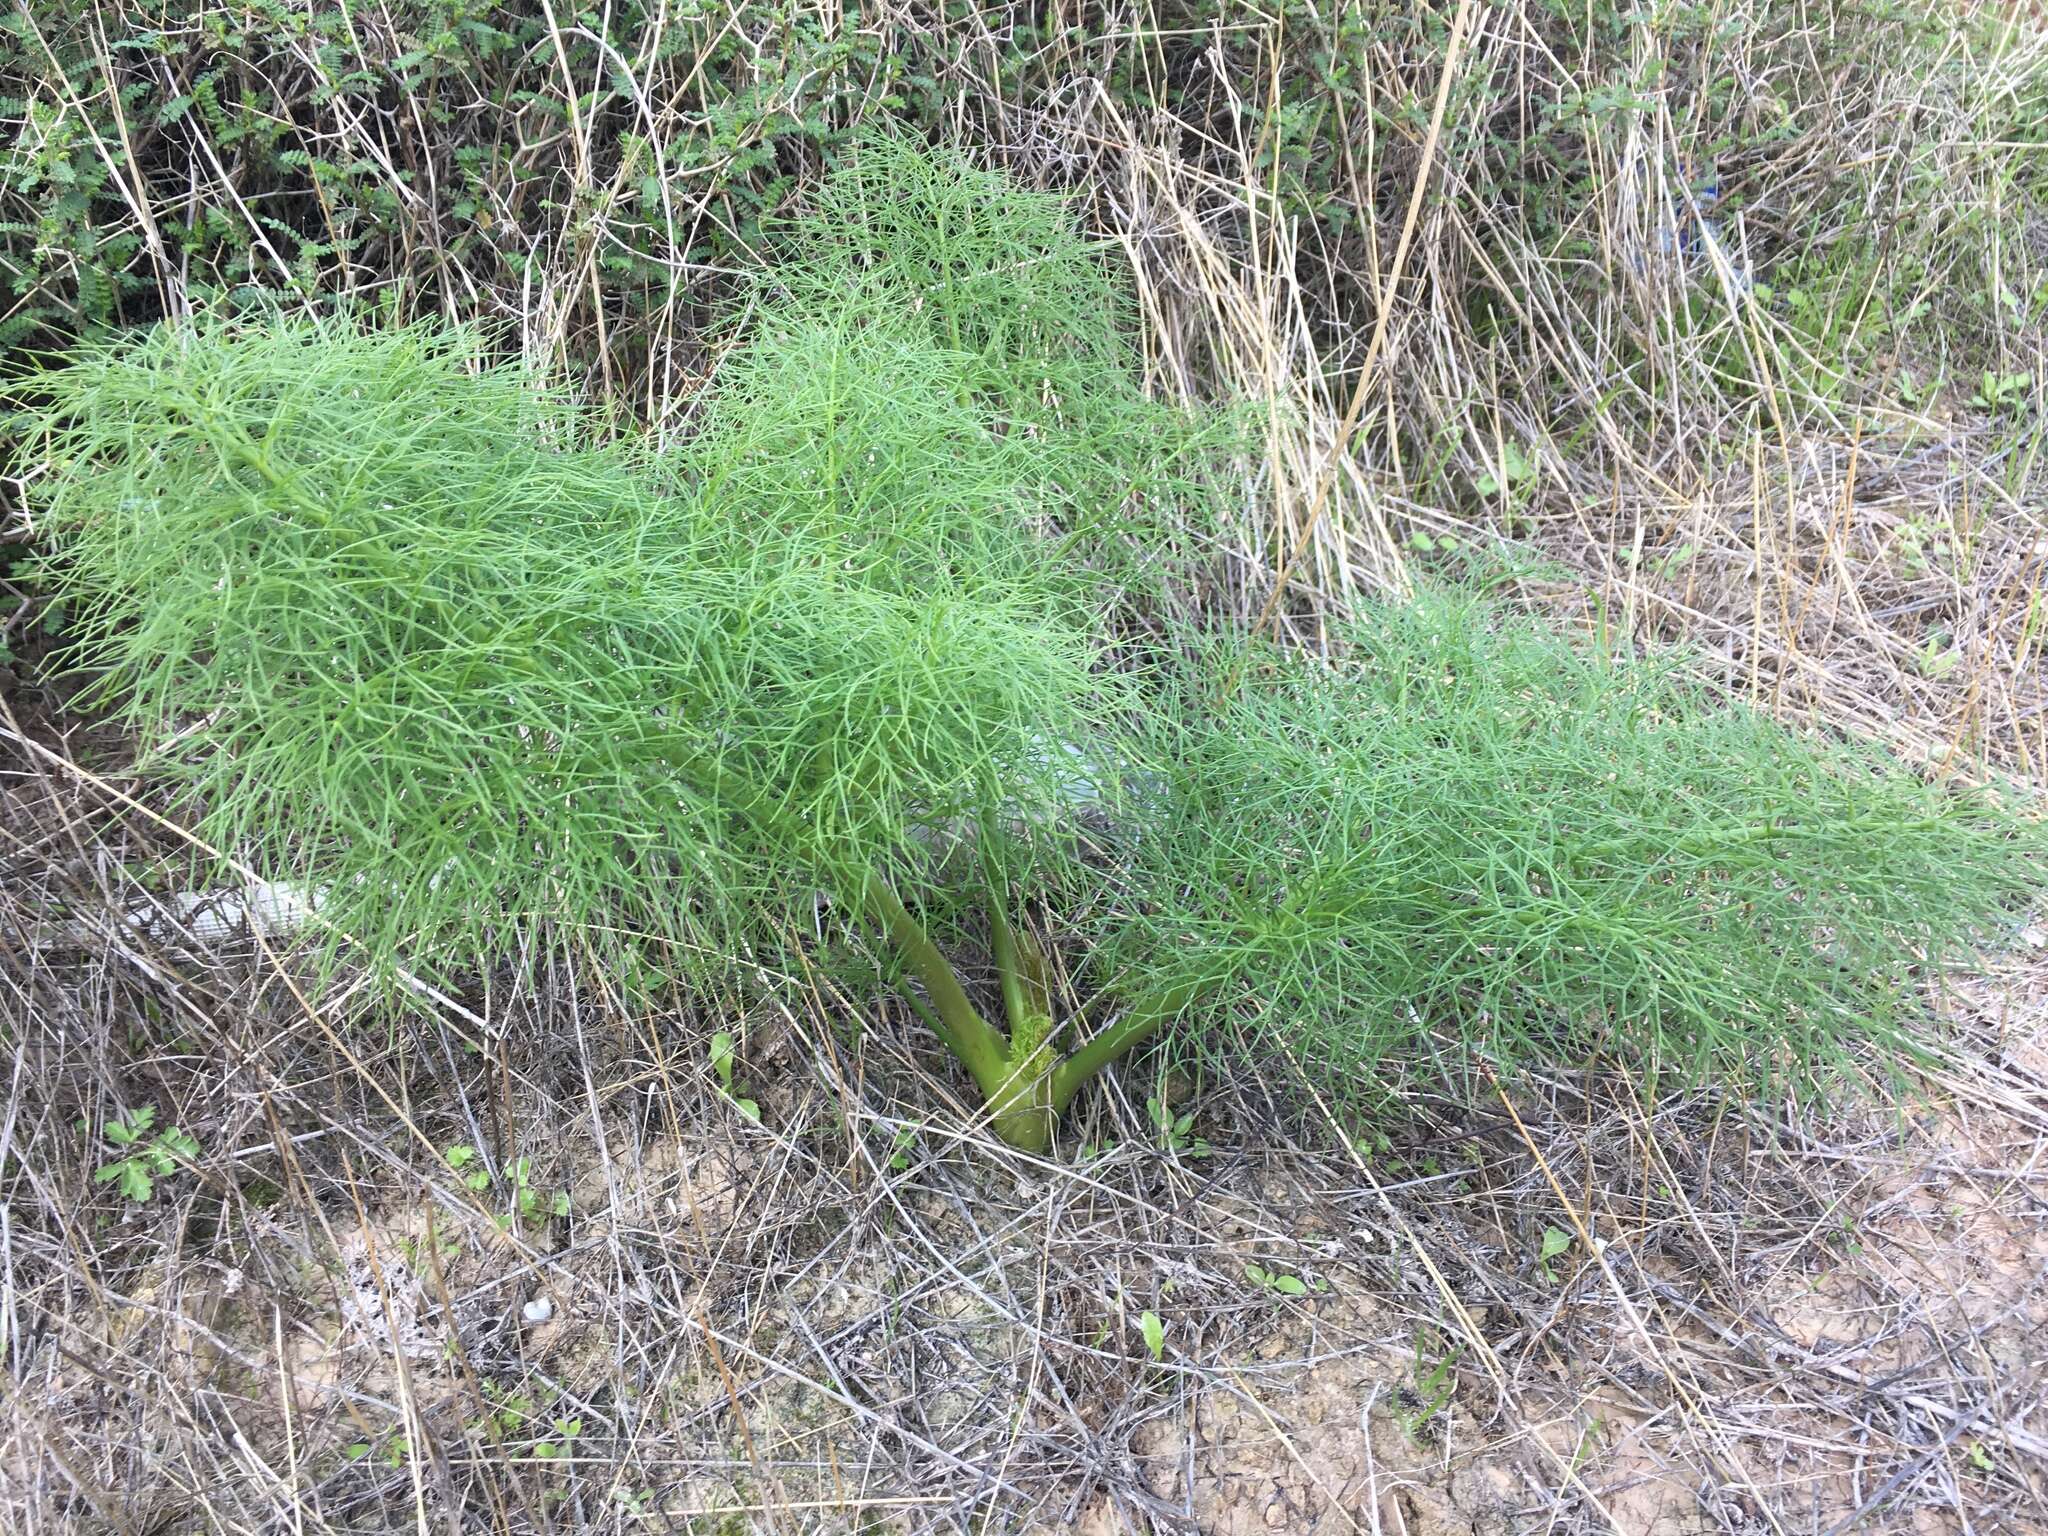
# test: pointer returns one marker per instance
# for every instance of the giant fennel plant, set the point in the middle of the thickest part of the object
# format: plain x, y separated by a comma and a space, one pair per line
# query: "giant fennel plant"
888, 639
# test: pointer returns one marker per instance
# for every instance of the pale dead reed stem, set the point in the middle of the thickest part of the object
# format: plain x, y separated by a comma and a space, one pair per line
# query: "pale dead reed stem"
1349, 424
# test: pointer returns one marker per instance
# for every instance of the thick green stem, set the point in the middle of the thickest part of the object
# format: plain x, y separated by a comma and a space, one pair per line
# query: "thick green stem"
1034, 974
1023, 1082
1020, 1108
978, 1043
1137, 1024
1015, 1076
1008, 970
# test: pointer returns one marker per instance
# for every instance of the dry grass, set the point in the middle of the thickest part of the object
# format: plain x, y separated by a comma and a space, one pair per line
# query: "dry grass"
1835, 553
858, 1313
1768, 1317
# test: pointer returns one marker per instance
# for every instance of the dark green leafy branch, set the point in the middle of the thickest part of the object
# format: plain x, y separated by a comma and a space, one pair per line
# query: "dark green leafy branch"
410, 633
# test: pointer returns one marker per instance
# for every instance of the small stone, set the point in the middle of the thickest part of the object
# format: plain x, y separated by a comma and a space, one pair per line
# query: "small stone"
538, 1310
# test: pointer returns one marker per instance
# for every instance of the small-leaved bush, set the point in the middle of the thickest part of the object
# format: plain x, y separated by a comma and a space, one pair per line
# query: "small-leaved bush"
889, 637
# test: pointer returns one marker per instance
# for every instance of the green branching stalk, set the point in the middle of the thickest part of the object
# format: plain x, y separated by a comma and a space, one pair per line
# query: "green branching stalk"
1124, 1034
981, 1047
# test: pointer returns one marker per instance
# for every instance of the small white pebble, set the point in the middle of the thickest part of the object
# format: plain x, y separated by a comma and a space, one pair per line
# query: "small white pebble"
538, 1310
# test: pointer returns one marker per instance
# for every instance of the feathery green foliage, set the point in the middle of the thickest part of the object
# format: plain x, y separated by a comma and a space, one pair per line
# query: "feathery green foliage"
411, 635
996, 277
1473, 825
413, 640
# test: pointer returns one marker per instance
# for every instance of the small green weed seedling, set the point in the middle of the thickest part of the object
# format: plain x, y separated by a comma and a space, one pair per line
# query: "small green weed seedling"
533, 1204
511, 1410
530, 1204
1153, 1331
723, 1054
148, 1158
463, 1159
1915, 539
1281, 1283
1589, 1445
1555, 1242
1175, 1131
396, 1452
444, 1249
1513, 470
1435, 1379
900, 1148
1371, 1144
1674, 563
1938, 656
2001, 391
562, 1442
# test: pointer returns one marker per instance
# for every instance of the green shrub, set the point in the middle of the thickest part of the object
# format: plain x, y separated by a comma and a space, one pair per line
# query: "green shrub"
405, 630
274, 109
